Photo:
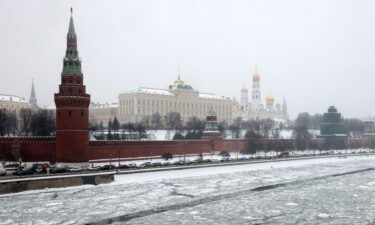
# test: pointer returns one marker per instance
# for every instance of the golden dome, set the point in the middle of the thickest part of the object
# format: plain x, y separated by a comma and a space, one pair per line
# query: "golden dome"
244, 89
270, 98
179, 81
256, 76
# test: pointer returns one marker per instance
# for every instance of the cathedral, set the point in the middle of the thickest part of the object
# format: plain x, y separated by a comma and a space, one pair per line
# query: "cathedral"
255, 109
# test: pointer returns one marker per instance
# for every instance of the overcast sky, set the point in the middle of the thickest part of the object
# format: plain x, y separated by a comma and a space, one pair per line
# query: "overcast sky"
314, 53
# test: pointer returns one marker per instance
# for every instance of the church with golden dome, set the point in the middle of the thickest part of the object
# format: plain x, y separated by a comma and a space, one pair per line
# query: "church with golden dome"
254, 109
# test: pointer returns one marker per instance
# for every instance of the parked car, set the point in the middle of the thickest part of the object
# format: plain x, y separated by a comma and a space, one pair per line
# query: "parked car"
132, 165
156, 164
3, 172
94, 168
166, 163
108, 167
146, 164
224, 159
59, 170
284, 154
197, 160
178, 163
73, 169
16, 165
22, 172
123, 166
142, 165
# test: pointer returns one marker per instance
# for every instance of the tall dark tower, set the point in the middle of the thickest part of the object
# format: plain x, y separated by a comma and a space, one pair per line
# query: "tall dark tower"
72, 103
33, 101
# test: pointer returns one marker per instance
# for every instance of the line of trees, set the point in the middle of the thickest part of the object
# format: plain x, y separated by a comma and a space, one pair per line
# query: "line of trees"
192, 129
305, 123
28, 122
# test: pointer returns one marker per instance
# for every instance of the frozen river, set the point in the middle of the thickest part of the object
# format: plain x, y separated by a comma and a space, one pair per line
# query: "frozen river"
314, 191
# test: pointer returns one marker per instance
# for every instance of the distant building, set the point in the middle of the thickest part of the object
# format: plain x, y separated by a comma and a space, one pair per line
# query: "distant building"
369, 129
13, 103
255, 109
102, 113
179, 97
332, 129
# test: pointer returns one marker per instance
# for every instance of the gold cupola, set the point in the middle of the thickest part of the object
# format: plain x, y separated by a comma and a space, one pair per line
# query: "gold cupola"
179, 81
256, 76
270, 98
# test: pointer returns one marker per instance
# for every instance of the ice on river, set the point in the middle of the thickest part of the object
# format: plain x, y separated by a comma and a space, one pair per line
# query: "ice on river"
313, 191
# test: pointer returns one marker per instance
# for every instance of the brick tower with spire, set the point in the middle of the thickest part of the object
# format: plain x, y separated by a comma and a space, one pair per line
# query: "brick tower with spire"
72, 103
33, 101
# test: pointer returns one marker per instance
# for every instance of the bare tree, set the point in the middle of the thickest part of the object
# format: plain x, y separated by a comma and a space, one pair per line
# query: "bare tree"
26, 116
3, 122
11, 123
43, 123
173, 121
157, 121
195, 128
235, 128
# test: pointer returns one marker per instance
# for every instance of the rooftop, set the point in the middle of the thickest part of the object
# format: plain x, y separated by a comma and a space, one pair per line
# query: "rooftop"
12, 98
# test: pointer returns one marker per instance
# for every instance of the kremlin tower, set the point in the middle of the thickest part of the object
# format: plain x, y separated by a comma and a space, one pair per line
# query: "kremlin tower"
33, 101
269, 101
244, 98
72, 102
256, 102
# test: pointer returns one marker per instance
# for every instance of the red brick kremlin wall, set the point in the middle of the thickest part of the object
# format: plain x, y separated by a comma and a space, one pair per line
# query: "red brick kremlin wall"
40, 149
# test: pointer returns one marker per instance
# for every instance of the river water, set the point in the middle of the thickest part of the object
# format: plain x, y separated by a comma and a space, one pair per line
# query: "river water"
315, 191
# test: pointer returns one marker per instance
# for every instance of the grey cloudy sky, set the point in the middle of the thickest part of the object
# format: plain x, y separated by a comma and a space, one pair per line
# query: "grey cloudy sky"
316, 53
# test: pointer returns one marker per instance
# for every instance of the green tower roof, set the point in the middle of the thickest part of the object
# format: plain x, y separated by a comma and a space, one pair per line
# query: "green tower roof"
71, 30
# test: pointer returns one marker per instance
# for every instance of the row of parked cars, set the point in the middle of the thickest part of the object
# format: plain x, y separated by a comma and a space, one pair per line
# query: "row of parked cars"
46, 168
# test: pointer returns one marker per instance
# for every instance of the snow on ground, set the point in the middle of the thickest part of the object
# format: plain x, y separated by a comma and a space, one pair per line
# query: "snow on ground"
294, 192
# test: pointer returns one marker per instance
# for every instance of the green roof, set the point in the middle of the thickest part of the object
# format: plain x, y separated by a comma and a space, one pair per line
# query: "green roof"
71, 30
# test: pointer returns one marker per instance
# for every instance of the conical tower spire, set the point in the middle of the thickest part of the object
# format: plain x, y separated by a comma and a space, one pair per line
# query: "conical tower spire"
71, 30
72, 62
33, 101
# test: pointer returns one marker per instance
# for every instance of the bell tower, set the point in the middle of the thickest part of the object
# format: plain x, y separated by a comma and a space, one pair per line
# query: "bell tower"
72, 102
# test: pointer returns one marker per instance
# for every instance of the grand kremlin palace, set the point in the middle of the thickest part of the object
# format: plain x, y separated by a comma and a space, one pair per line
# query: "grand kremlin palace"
179, 97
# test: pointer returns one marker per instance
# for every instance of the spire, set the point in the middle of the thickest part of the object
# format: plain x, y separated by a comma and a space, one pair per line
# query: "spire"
32, 89
71, 30
284, 106
33, 100
72, 62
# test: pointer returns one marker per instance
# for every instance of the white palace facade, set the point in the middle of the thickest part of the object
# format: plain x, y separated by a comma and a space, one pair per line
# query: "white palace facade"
135, 105
179, 97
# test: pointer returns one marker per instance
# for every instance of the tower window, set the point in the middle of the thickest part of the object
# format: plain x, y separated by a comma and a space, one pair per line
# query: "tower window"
82, 113
70, 113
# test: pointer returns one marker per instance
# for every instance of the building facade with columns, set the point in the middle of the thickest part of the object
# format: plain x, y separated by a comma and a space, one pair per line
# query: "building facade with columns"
102, 113
178, 97
255, 109
13, 103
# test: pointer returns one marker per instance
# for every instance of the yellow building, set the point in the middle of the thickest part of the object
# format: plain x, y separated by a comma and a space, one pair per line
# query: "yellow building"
179, 97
